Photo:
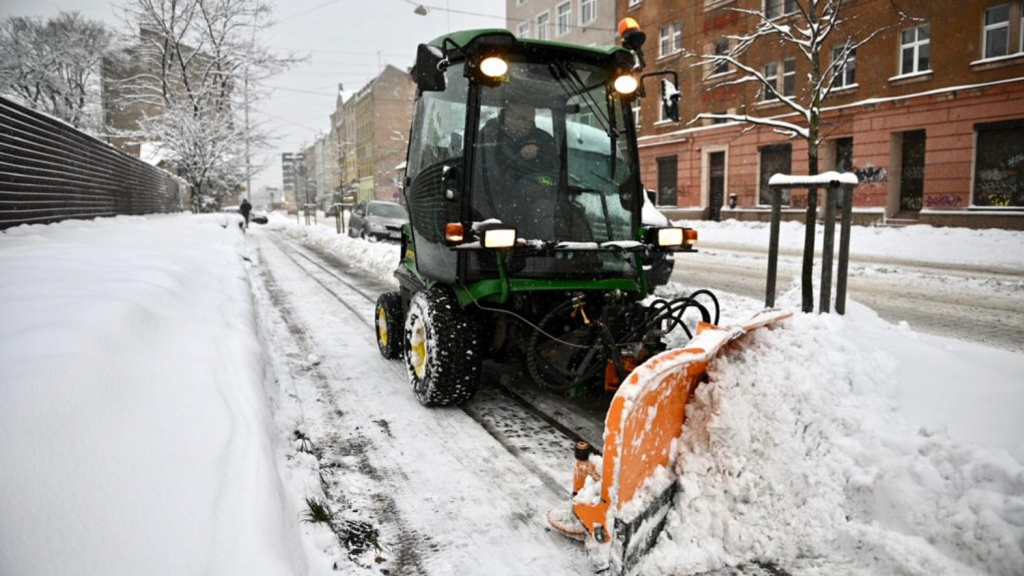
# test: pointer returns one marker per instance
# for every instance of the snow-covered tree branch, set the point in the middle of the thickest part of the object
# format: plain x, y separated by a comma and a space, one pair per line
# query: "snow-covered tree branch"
195, 69
54, 66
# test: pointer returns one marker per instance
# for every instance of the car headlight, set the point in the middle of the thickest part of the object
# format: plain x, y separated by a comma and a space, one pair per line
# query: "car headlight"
373, 226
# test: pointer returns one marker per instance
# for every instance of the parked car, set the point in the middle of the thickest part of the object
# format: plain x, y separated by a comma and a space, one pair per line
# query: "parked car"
659, 265
377, 219
259, 217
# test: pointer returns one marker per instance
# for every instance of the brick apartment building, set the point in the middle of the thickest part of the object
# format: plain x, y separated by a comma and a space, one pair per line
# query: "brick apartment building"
369, 136
586, 22
929, 113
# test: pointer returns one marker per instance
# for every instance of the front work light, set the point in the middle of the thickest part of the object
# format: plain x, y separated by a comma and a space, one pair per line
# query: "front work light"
499, 238
626, 84
669, 237
493, 66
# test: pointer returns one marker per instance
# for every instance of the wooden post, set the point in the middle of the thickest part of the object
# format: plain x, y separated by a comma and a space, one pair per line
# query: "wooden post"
828, 248
773, 247
807, 270
844, 248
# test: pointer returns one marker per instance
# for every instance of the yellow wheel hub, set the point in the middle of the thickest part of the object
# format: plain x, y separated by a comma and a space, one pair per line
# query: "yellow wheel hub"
382, 327
418, 348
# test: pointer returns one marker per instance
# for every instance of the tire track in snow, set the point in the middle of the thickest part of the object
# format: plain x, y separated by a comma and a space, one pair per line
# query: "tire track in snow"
398, 538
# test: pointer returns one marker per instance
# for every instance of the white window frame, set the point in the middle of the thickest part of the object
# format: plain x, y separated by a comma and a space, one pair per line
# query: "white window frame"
523, 30
773, 79
543, 28
563, 27
677, 36
915, 45
664, 41
593, 11
839, 73
715, 65
636, 114
782, 8
634, 3
788, 74
986, 28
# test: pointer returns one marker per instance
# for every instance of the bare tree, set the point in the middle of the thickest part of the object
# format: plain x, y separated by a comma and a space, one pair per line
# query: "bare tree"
54, 65
807, 29
195, 70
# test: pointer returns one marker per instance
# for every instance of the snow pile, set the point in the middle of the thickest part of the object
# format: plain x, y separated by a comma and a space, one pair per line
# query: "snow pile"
994, 248
133, 422
376, 258
796, 453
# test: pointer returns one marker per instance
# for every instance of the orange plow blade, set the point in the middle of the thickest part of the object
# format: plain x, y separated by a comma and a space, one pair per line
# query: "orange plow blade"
620, 510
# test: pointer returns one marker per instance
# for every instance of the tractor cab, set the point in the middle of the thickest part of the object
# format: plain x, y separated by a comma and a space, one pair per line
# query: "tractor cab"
523, 166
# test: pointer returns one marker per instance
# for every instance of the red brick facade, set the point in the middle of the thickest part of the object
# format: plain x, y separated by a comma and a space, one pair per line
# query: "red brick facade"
932, 119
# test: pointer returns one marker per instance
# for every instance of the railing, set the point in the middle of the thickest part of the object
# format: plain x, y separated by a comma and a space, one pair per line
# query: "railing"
50, 171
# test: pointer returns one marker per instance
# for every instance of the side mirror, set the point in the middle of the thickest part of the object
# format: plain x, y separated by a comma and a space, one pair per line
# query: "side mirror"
670, 96
429, 71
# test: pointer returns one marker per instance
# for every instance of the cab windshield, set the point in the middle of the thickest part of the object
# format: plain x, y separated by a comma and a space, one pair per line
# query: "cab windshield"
554, 159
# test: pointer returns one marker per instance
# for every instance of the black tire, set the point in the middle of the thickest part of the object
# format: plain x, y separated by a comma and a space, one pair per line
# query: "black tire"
389, 325
442, 348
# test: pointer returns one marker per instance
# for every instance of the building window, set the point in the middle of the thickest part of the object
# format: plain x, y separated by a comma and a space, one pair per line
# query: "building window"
776, 8
543, 19
845, 75
775, 159
671, 39
771, 77
721, 49
564, 18
634, 3
844, 155
636, 114
915, 49
999, 164
789, 77
588, 11
997, 31
523, 30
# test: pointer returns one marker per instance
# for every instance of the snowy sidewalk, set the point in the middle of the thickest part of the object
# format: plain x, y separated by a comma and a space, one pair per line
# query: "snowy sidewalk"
133, 420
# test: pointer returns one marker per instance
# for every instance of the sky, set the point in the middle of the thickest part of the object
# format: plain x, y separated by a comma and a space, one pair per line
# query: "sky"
346, 41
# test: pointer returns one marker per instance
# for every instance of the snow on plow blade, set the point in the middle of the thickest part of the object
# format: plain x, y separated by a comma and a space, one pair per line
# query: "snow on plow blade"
620, 505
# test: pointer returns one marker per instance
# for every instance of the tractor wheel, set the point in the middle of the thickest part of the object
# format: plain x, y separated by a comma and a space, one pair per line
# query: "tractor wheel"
389, 325
442, 349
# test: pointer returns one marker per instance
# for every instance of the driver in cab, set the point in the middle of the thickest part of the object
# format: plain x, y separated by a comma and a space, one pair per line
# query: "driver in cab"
520, 148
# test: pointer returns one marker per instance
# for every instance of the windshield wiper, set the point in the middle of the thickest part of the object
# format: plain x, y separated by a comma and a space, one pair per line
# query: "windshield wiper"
565, 73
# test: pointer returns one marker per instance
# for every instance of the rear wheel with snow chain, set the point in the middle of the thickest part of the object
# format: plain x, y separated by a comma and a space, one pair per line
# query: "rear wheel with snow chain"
442, 349
390, 325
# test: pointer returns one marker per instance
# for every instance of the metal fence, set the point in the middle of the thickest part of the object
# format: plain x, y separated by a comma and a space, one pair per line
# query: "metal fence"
50, 171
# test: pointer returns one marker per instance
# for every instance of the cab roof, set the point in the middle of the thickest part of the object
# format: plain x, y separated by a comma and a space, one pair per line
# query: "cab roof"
465, 38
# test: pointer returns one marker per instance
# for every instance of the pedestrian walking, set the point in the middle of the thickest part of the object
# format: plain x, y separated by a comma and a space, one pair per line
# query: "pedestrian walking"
245, 208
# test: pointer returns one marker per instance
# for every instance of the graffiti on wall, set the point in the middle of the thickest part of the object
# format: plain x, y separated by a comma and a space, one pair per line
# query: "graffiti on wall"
944, 201
871, 175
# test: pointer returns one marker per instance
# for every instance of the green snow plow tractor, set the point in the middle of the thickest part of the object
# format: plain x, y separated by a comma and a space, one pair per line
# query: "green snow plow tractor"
525, 239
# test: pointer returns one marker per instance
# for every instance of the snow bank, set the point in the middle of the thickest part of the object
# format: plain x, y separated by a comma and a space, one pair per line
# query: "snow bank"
990, 248
376, 258
799, 452
133, 423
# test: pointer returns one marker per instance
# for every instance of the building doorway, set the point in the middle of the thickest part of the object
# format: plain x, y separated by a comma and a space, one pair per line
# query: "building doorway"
668, 174
912, 171
716, 185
